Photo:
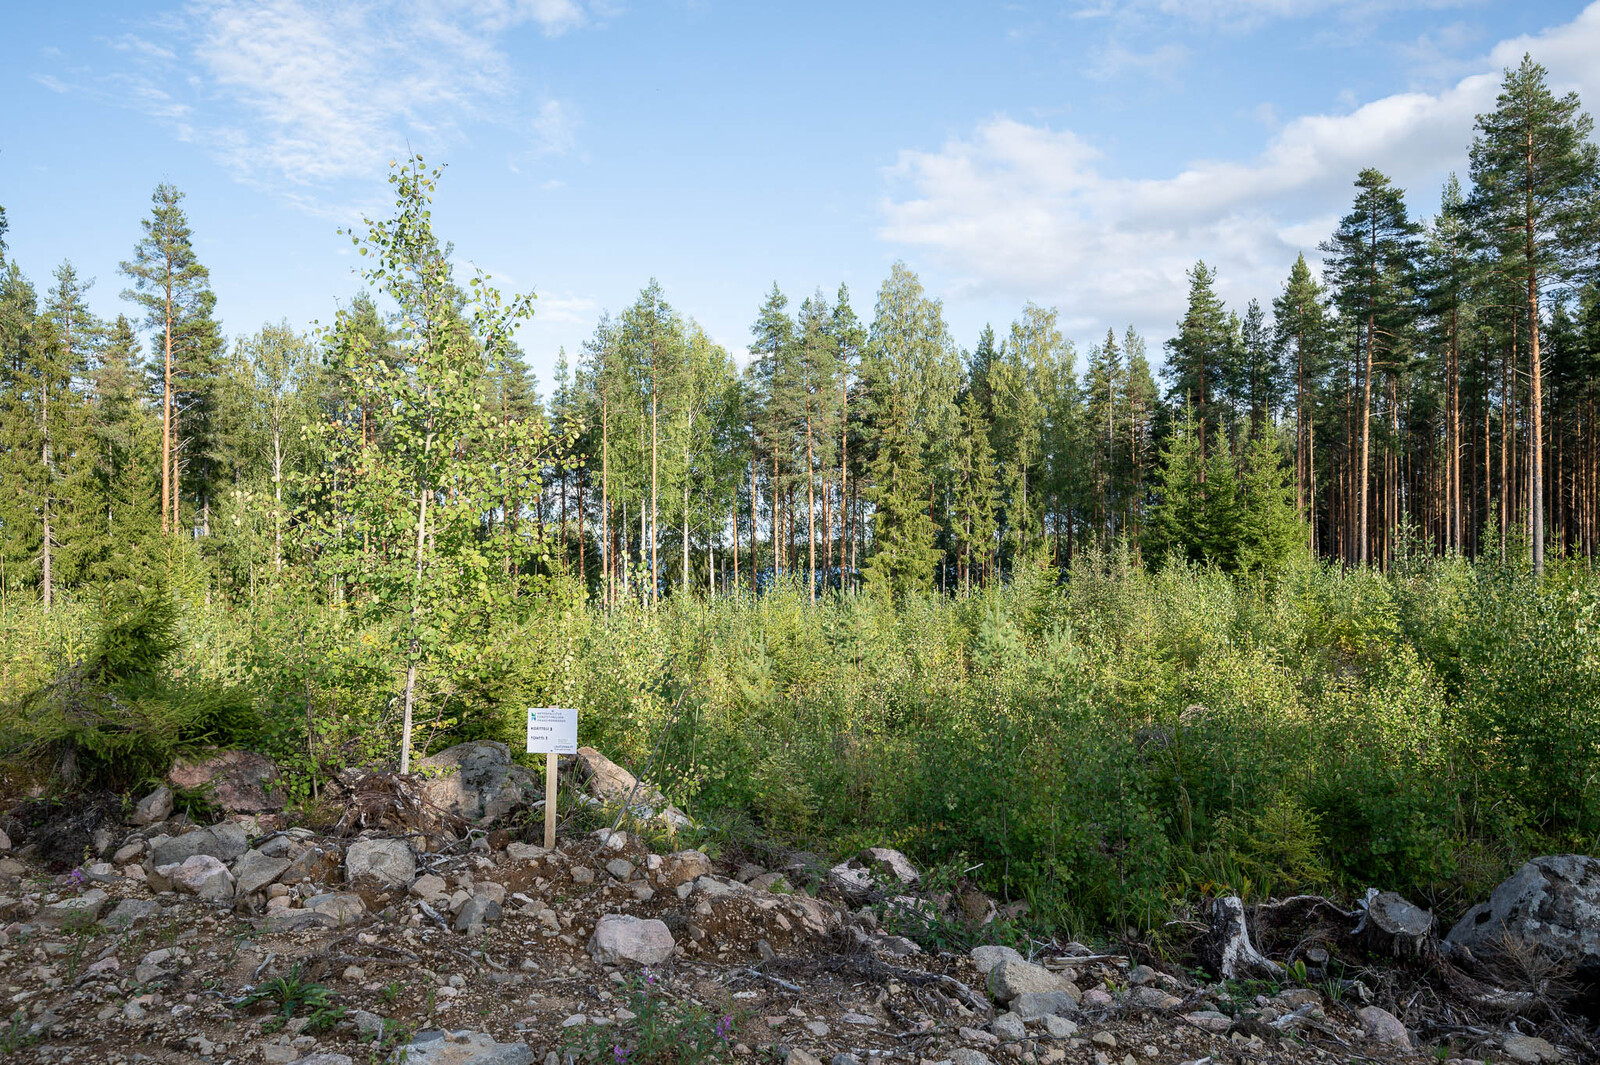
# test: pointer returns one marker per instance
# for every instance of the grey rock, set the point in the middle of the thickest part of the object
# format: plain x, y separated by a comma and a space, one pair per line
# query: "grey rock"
477, 911
610, 783
463, 1048
889, 864
224, 842
796, 1056
1552, 903
130, 912
1150, 998
1381, 1026
1012, 978
389, 861
968, 1056
254, 870
987, 957
201, 875
479, 781
1060, 1027
313, 863
428, 886
325, 1059
1032, 1005
1009, 1028
75, 910
684, 867
153, 808
619, 937
620, 868
368, 1024
297, 921
845, 1059
343, 907
1529, 1049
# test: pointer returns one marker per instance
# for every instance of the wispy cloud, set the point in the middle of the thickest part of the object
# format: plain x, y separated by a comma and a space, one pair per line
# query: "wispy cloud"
293, 95
1115, 60
1020, 209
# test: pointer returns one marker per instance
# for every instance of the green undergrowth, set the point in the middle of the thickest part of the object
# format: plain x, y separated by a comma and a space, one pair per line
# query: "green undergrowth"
1096, 749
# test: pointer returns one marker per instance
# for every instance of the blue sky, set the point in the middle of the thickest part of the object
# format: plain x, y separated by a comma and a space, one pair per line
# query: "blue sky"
1079, 154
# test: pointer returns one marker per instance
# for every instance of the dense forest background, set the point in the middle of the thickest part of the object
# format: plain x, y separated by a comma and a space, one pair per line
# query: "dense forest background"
1309, 606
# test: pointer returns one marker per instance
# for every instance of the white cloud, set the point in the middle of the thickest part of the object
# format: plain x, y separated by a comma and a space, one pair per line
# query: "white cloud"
564, 309
1027, 211
1114, 60
298, 93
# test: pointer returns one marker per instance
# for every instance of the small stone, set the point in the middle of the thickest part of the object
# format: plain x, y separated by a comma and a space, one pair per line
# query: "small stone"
968, 1056
1104, 1039
978, 1036
1031, 1005
74, 910
857, 1018
154, 807
582, 875
1060, 1027
130, 852
368, 1024
1009, 1028
817, 1029
987, 957
620, 868
797, 1056
845, 1059
574, 1020
619, 937
1381, 1026
202, 875
477, 911
343, 907
1010, 978
254, 870
1529, 1049
428, 886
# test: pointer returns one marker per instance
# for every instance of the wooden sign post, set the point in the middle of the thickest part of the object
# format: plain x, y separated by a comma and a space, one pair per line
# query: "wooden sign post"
552, 732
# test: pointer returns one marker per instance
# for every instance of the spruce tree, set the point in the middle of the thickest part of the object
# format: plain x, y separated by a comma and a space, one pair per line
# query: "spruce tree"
122, 530
903, 551
1199, 357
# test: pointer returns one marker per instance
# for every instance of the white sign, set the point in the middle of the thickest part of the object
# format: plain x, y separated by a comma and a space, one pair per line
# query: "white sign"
552, 730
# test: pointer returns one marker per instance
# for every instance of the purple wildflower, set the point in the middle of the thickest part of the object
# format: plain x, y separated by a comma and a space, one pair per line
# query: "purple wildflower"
619, 1054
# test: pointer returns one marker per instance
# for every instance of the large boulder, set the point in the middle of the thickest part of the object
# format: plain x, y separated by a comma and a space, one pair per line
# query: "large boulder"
620, 937
389, 861
224, 842
1552, 903
239, 781
477, 781
612, 784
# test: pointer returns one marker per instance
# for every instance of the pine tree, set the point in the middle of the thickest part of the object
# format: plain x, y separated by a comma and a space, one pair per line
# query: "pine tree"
1269, 531
1301, 327
1370, 266
175, 290
1535, 174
